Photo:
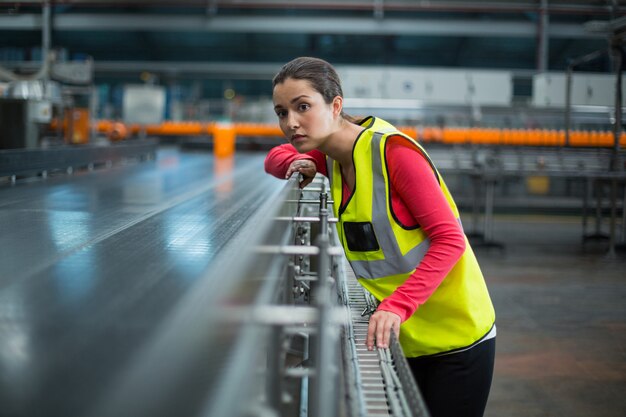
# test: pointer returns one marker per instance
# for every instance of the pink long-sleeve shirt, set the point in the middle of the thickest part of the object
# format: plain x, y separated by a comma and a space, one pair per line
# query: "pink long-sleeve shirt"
416, 199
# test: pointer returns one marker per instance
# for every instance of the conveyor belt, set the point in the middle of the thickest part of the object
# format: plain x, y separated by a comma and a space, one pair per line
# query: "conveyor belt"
377, 382
383, 383
91, 265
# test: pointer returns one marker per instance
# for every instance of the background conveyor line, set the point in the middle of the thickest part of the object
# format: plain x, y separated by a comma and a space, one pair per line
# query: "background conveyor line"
71, 328
173, 202
211, 361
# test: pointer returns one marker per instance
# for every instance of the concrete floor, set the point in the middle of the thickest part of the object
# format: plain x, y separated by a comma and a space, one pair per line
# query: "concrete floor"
561, 319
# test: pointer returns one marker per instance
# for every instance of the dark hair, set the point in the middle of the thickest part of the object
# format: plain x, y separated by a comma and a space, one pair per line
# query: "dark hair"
320, 74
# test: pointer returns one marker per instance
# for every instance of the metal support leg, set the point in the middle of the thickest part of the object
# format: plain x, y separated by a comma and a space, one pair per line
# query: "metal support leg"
274, 367
598, 208
323, 398
620, 246
613, 219
623, 241
304, 388
474, 234
488, 242
585, 214
325, 381
488, 220
597, 235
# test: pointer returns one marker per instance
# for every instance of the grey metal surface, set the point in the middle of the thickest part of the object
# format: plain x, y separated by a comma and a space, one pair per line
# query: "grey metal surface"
488, 166
38, 160
92, 265
522, 161
271, 24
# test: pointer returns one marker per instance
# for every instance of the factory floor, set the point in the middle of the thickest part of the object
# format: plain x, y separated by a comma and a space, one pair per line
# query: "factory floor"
69, 269
561, 320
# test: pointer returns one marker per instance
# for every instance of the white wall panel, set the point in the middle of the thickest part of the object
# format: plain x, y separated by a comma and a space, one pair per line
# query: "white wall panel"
429, 86
446, 87
491, 88
359, 82
405, 84
587, 89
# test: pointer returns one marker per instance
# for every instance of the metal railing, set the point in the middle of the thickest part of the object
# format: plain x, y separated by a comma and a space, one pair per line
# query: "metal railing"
269, 331
486, 167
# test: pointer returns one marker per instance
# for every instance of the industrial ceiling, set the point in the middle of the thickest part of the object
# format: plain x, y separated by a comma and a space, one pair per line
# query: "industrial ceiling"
248, 39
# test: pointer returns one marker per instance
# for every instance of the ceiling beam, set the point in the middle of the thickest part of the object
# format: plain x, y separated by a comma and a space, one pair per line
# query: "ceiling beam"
221, 70
465, 6
233, 70
309, 25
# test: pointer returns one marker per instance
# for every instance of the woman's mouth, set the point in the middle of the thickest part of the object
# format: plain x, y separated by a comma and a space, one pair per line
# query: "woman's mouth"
297, 138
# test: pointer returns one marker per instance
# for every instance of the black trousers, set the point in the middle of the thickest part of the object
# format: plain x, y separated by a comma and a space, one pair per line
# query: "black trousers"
456, 385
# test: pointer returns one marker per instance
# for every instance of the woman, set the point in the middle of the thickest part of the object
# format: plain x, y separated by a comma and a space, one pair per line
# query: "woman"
401, 232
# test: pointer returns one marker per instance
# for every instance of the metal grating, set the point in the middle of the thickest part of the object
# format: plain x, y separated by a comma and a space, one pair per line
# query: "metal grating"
383, 381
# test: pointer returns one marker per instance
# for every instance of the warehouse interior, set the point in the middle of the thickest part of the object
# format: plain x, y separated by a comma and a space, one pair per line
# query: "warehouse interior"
150, 266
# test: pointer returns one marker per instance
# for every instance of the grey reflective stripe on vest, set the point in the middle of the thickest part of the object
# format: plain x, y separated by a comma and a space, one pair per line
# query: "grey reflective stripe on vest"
329, 170
394, 262
391, 265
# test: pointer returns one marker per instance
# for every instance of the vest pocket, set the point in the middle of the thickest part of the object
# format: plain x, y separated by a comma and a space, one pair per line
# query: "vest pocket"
360, 236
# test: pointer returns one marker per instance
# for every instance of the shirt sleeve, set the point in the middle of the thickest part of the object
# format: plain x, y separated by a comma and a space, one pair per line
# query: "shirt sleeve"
414, 182
280, 157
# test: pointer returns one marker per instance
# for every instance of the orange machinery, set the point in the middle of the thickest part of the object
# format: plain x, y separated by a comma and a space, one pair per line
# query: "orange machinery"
225, 134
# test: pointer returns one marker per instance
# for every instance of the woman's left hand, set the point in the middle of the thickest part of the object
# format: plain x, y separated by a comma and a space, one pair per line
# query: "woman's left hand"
306, 167
380, 327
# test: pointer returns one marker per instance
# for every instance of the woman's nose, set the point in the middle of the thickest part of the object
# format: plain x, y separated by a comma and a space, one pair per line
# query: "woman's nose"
293, 121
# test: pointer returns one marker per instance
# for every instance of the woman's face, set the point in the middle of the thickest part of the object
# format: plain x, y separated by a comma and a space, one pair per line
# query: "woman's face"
304, 117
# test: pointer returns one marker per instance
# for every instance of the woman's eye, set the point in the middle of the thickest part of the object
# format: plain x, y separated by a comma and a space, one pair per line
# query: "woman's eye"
303, 107
281, 114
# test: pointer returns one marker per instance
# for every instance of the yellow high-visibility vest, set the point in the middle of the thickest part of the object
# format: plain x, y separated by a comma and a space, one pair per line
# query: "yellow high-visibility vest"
383, 253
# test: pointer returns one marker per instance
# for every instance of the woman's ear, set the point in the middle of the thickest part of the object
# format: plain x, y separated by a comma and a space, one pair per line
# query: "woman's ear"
337, 105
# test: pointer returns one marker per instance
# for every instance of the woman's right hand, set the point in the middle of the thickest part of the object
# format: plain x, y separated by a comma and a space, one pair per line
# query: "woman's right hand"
306, 167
